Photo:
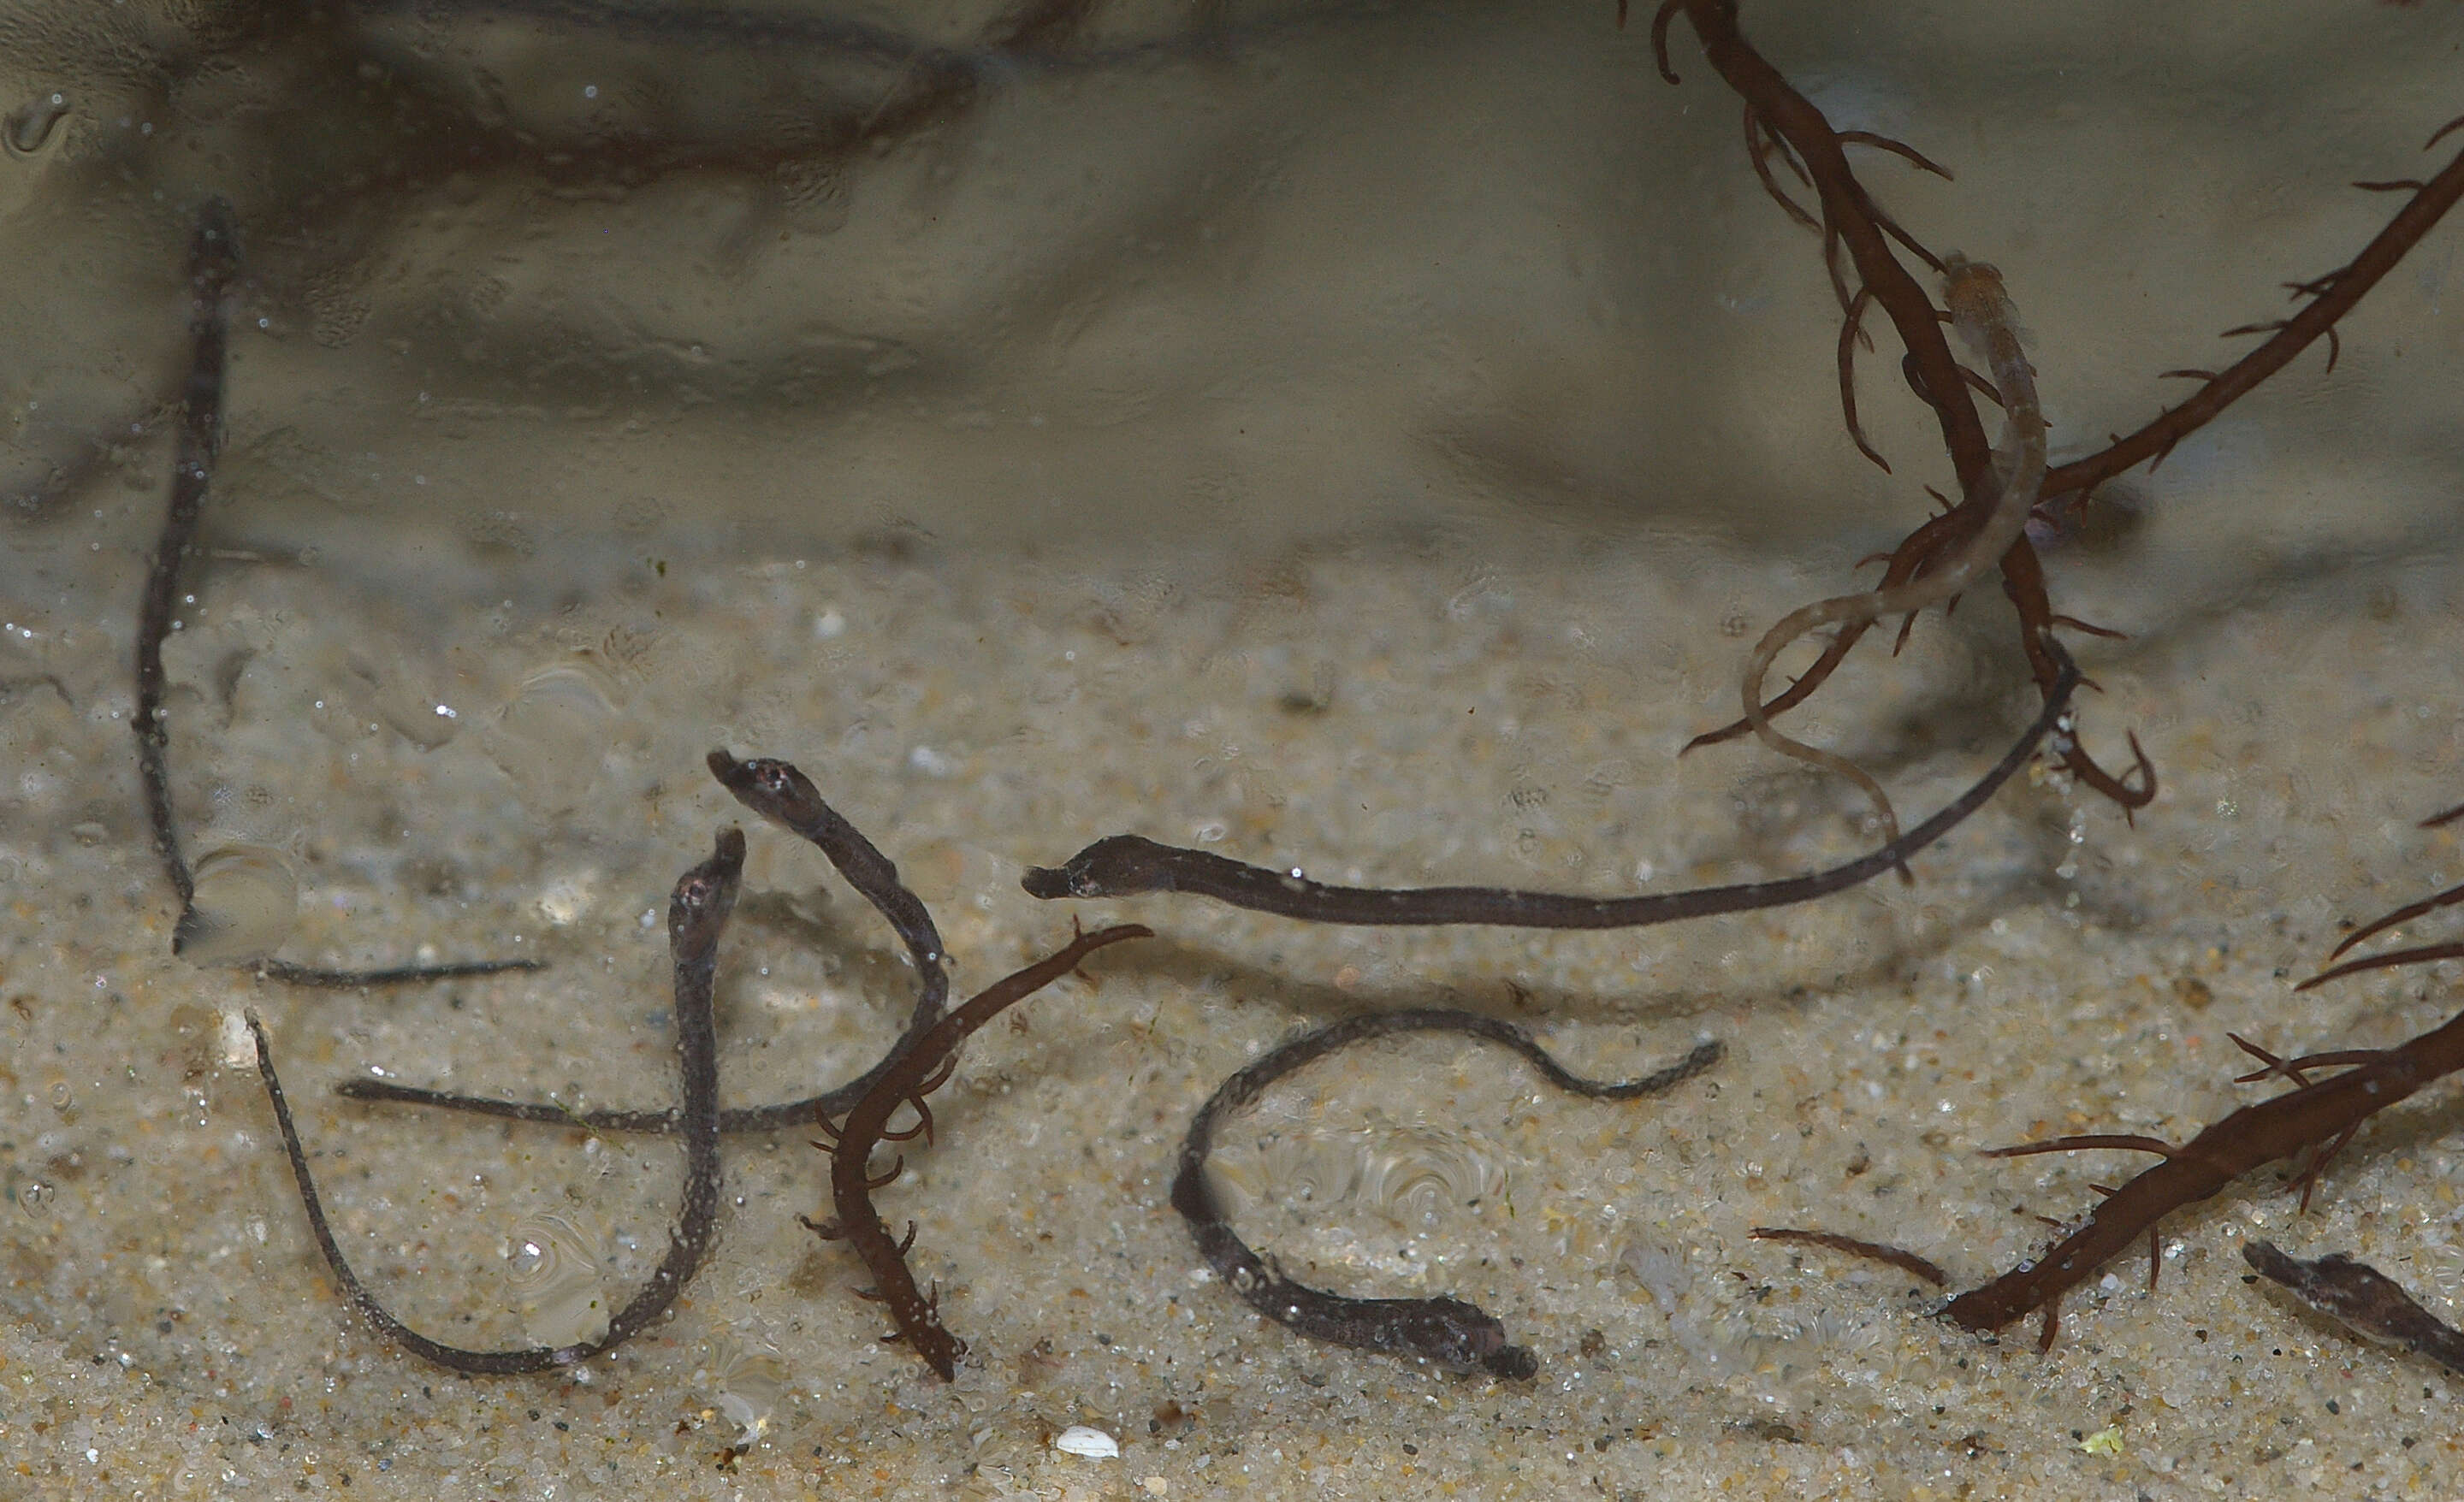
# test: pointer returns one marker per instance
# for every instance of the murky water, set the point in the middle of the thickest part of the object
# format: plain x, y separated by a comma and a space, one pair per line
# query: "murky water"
1354, 438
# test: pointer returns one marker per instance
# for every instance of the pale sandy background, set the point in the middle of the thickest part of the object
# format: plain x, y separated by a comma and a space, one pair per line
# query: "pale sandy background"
1369, 441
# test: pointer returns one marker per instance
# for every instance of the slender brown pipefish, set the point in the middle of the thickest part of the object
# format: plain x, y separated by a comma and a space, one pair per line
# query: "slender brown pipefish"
1446, 1331
1127, 866
698, 914
785, 797
213, 266
2363, 1299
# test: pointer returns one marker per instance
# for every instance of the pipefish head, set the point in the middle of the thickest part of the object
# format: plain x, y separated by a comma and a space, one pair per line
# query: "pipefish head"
1980, 307
771, 787
1459, 1337
1976, 283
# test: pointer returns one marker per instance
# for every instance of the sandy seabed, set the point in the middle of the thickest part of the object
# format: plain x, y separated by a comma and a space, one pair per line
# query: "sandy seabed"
2053, 969
1395, 510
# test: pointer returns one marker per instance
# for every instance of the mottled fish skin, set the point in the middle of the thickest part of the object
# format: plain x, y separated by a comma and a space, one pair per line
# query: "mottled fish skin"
2363, 1299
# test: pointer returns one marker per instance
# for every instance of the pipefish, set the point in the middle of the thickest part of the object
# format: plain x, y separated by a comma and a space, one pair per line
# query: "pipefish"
1981, 310
2327, 1110
213, 269
1446, 1331
1124, 865
698, 914
785, 797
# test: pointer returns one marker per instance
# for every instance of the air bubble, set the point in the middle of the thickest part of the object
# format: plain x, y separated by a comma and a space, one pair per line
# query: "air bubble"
556, 1286
30, 126
246, 900
1421, 1173
401, 692
747, 1383
1413, 1174
550, 736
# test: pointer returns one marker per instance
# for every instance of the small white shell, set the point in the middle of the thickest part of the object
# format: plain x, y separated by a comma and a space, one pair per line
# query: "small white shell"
238, 1044
1089, 1444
